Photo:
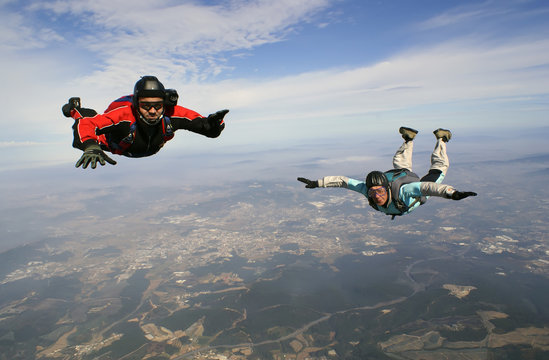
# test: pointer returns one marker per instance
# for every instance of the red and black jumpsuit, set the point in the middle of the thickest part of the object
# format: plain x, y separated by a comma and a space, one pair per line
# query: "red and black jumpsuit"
118, 131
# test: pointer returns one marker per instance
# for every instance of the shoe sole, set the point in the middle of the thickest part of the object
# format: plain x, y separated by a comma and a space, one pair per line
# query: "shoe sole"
445, 136
405, 131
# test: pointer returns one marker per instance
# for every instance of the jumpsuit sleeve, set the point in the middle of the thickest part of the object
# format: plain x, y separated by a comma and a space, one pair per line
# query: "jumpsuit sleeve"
343, 182
433, 189
85, 130
190, 120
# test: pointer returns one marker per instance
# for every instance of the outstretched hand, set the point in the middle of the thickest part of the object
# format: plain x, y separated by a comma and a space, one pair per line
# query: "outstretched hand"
92, 155
309, 184
458, 195
216, 119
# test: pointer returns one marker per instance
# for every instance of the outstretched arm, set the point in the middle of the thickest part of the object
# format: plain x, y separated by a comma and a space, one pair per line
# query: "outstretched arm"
210, 126
335, 181
445, 191
327, 181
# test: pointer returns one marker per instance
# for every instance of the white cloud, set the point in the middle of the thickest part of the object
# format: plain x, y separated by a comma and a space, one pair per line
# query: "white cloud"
473, 13
17, 34
107, 45
175, 40
452, 72
10, 144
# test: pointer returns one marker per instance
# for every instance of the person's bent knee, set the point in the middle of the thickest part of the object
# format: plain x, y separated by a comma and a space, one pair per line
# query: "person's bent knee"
433, 175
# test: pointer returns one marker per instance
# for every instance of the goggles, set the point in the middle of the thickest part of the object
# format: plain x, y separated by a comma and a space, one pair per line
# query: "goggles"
380, 191
149, 105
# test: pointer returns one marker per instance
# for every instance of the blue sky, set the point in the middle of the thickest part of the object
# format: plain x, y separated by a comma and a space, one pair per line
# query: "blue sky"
290, 71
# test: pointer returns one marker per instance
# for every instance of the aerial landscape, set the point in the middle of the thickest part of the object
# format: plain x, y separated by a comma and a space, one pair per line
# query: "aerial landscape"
269, 270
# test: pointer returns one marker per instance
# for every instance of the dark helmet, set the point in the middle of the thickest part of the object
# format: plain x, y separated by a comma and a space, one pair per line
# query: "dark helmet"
376, 178
148, 86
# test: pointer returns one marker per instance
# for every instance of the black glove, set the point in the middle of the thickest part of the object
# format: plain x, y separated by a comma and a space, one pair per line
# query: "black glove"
74, 103
216, 119
93, 154
310, 184
458, 195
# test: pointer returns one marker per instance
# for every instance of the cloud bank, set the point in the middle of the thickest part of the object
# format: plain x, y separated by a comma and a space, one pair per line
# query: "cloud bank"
475, 64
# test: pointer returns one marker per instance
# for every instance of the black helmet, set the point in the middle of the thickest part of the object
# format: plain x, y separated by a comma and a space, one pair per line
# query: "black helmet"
376, 178
148, 86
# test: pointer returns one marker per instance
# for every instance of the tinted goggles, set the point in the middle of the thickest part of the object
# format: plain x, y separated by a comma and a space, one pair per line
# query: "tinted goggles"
379, 192
149, 105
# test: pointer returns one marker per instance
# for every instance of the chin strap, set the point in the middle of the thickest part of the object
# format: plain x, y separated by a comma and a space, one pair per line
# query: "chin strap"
148, 122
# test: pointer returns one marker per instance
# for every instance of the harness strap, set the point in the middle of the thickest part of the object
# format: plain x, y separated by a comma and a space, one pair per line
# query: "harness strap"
167, 128
122, 146
417, 199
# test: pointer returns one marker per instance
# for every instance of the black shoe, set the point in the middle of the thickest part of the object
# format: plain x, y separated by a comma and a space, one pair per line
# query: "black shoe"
443, 134
74, 103
408, 134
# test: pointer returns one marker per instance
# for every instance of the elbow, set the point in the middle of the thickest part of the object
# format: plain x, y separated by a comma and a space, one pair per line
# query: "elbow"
213, 135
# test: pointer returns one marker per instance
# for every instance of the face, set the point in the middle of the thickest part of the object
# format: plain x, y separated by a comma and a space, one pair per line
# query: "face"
151, 108
378, 194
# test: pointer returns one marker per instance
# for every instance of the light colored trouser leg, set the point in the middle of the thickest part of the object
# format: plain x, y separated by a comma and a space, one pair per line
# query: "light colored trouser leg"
403, 156
439, 159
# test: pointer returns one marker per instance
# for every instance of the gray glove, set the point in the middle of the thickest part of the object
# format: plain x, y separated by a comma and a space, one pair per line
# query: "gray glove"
310, 184
458, 195
93, 154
